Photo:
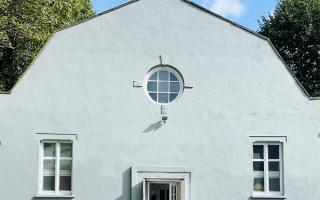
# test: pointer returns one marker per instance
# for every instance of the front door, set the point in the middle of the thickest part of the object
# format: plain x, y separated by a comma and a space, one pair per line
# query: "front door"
159, 191
163, 191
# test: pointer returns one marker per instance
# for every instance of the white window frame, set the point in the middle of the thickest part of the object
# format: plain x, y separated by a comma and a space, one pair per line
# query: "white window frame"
57, 158
265, 141
140, 176
170, 69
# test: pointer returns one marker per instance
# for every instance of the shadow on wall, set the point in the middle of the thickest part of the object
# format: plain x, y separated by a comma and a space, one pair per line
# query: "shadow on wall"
126, 185
153, 127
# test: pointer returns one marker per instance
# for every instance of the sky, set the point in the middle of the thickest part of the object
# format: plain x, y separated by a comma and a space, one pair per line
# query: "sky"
244, 12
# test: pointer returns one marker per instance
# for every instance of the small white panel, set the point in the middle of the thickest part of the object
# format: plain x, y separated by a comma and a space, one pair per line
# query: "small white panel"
269, 138
56, 136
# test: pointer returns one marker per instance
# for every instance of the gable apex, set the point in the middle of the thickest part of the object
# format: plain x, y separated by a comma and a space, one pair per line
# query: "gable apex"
192, 4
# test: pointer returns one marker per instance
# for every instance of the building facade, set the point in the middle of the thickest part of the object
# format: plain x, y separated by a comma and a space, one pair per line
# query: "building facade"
159, 100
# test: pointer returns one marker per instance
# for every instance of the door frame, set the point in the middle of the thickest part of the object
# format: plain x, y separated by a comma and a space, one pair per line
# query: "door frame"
171, 182
140, 175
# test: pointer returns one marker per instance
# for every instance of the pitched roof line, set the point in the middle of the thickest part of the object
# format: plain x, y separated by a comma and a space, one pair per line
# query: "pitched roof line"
192, 4
99, 14
49, 39
225, 19
258, 35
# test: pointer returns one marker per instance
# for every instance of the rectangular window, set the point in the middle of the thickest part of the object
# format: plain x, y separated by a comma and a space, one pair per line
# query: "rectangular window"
56, 167
267, 169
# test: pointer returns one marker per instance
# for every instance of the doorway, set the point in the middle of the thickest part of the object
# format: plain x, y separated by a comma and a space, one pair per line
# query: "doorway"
159, 191
163, 191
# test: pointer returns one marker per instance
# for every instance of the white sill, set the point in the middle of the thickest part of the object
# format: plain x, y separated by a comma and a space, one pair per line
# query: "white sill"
267, 197
54, 196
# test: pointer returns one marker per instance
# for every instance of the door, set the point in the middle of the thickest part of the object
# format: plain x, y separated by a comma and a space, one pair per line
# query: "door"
159, 191
162, 191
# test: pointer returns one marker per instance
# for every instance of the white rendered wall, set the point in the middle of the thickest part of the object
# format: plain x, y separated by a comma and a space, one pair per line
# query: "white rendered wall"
82, 84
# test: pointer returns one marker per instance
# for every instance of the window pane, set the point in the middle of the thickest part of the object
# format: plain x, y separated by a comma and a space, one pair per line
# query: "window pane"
162, 195
257, 151
49, 165
258, 166
274, 166
173, 77
159, 192
66, 150
163, 98
273, 151
258, 184
173, 96
153, 77
152, 86
49, 149
274, 184
163, 86
65, 183
174, 87
48, 183
65, 164
163, 75
153, 96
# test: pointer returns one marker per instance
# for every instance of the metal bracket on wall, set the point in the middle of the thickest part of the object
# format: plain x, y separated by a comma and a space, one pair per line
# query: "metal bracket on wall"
137, 84
188, 85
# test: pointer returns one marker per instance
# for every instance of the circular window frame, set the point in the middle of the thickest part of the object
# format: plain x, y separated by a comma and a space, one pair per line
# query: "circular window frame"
170, 69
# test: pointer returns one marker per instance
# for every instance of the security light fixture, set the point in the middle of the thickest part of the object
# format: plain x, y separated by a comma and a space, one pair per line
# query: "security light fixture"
164, 114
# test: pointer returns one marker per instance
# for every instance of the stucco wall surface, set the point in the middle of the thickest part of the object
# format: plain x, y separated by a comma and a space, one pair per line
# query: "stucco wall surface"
82, 84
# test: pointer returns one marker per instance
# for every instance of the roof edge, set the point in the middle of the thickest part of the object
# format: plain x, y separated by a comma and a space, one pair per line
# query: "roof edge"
291, 72
29, 66
258, 35
61, 29
225, 19
4, 92
186, 1
99, 14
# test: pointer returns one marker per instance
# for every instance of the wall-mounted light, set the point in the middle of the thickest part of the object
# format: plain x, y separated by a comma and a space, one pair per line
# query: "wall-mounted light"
164, 114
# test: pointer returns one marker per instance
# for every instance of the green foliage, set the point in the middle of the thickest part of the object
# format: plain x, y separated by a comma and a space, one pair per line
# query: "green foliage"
25, 26
294, 28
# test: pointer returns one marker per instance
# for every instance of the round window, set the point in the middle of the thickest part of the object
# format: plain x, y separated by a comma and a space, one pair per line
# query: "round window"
164, 84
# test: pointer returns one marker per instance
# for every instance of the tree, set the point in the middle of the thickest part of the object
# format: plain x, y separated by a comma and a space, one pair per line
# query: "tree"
294, 29
25, 26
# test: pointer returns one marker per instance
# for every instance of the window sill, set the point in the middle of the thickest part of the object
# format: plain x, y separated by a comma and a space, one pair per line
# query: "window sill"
267, 197
54, 196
